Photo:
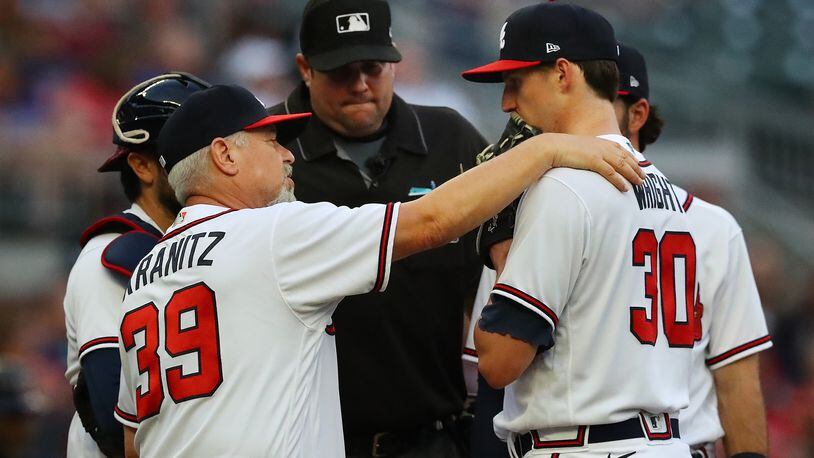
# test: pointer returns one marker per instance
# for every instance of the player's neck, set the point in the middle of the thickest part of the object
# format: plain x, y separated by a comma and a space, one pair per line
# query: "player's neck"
592, 117
634, 140
151, 205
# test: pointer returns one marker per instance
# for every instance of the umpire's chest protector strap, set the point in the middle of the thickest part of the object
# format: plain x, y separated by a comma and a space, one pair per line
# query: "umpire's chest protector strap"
123, 254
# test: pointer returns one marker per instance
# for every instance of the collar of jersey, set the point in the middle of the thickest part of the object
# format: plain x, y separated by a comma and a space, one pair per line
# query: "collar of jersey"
136, 209
193, 213
625, 143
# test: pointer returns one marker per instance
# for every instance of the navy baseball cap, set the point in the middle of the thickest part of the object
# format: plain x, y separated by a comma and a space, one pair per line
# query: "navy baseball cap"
338, 32
544, 33
632, 73
220, 111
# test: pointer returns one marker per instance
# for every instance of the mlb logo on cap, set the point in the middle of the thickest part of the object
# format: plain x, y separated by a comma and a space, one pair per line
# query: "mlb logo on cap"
355, 22
338, 32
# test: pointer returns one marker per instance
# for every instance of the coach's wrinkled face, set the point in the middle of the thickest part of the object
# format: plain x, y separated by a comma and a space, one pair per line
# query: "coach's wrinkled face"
266, 166
353, 99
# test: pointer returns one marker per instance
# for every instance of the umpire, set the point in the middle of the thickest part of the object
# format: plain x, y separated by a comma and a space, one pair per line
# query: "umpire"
400, 377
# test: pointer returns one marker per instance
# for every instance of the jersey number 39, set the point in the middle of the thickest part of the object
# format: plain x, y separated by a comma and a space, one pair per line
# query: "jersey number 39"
190, 327
660, 282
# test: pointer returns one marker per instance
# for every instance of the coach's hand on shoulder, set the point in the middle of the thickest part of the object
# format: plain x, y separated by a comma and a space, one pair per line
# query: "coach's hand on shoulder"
461, 204
604, 157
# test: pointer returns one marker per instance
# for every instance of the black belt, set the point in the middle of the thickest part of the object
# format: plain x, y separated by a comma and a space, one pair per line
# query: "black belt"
628, 429
391, 443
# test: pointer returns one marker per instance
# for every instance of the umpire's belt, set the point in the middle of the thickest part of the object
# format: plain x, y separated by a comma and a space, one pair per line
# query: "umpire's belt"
652, 427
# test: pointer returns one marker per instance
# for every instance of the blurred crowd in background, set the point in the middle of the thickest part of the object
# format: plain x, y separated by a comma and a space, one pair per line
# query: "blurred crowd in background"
734, 80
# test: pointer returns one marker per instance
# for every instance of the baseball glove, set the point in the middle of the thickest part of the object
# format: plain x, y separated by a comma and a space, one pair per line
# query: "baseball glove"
501, 226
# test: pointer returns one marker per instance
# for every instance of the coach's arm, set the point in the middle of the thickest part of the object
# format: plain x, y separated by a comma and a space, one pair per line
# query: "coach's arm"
461, 204
740, 406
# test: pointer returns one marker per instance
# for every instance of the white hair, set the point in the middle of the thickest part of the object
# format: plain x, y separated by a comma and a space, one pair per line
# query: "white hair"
192, 172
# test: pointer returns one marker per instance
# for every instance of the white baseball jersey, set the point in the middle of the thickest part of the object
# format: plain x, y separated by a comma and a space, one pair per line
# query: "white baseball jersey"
613, 274
227, 344
732, 325
92, 306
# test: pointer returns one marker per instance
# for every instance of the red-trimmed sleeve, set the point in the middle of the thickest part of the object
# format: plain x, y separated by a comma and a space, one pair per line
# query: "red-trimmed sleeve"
549, 246
125, 418
739, 352
95, 344
738, 326
528, 301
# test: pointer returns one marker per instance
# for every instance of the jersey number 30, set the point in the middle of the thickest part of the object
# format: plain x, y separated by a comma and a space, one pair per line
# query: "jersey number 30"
660, 282
191, 327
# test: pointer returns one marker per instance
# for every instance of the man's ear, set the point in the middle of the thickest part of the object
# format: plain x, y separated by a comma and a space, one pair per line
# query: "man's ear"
145, 169
223, 156
637, 114
565, 72
304, 68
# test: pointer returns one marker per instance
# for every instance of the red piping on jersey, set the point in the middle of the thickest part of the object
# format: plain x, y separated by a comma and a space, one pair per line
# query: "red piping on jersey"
175, 232
578, 442
125, 415
645, 163
470, 352
89, 232
738, 349
688, 201
99, 341
530, 299
382, 268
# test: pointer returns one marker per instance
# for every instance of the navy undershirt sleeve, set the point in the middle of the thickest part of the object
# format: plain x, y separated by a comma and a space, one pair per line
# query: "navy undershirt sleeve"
506, 317
101, 371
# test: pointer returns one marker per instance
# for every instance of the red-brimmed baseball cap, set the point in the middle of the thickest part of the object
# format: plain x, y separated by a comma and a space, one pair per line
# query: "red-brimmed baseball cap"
220, 111
544, 33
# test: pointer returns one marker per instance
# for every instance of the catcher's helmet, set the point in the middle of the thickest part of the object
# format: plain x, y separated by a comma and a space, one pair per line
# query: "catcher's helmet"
140, 114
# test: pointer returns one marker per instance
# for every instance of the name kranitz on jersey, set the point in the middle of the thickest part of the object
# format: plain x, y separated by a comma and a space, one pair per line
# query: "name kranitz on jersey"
732, 325
227, 345
613, 274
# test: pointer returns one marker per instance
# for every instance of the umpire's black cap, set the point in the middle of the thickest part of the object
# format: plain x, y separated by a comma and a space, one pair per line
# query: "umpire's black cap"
141, 113
545, 32
632, 74
219, 111
337, 32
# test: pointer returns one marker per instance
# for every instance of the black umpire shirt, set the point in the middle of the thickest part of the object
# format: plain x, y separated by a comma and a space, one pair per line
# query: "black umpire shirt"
399, 352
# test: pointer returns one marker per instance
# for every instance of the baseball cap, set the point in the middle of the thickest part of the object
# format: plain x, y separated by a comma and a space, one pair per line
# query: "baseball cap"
632, 73
219, 111
142, 111
337, 32
544, 33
